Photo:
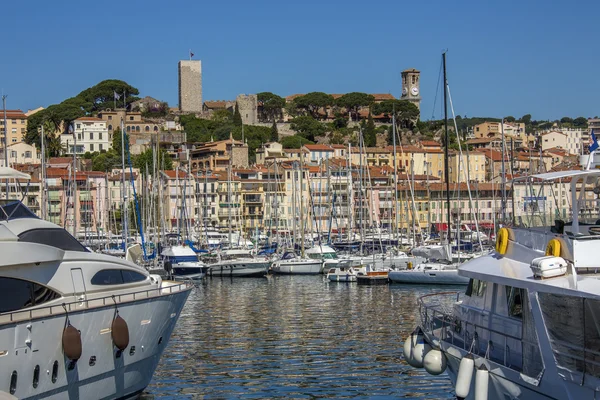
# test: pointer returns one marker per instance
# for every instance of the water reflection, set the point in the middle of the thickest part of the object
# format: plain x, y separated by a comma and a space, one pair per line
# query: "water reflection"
294, 337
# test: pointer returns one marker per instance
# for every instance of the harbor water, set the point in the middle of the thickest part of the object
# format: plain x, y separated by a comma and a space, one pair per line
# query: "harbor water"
294, 337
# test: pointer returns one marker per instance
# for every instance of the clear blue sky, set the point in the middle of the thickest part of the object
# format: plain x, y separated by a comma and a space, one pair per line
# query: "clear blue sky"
507, 58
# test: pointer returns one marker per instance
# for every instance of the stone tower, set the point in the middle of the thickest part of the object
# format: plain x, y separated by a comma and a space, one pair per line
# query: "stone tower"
410, 87
248, 106
190, 86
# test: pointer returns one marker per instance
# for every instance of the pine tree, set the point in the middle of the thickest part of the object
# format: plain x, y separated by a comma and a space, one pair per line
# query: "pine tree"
237, 117
274, 132
370, 134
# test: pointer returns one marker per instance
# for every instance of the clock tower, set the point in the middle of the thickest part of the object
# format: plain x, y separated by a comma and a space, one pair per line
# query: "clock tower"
410, 87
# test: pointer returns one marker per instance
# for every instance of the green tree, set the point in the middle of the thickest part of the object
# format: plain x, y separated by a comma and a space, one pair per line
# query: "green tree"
580, 122
294, 142
237, 117
117, 140
336, 137
91, 100
566, 120
526, 119
510, 118
271, 107
313, 102
146, 159
274, 132
354, 101
308, 127
407, 114
369, 133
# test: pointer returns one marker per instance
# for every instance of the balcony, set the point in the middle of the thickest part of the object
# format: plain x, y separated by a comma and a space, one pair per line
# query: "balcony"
234, 213
253, 199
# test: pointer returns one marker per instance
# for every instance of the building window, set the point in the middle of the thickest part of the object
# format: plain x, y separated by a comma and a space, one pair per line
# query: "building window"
28, 154
91, 135
137, 128
91, 146
131, 118
147, 128
78, 126
13, 154
99, 135
100, 145
156, 129
14, 121
110, 128
128, 129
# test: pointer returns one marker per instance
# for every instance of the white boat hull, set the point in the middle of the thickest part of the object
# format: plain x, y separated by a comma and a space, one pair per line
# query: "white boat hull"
239, 268
99, 373
430, 277
292, 267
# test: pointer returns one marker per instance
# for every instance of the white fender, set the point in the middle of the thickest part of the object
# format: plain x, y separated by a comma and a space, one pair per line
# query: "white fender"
415, 349
434, 362
482, 377
464, 377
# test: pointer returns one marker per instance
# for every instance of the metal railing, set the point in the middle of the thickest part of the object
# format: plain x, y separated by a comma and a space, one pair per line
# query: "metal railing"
438, 320
86, 304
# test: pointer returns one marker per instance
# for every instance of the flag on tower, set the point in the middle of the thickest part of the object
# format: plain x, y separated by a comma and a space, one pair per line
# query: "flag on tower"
593, 142
117, 95
191, 54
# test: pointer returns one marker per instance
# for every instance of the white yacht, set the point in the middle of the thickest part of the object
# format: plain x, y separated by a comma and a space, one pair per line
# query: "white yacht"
76, 324
343, 272
182, 263
292, 264
239, 262
528, 325
437, 269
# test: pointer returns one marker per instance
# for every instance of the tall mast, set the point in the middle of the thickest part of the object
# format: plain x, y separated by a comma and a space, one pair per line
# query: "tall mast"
301, 205
447, 138
395, 230
43, 188
123, 188
5, 140
75, 184
503, 176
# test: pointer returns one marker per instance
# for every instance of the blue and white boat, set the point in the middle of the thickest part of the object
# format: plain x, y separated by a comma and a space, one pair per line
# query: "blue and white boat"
183, 263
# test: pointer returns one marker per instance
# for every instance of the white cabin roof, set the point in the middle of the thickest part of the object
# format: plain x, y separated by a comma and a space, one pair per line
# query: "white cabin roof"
550, 176
10, 173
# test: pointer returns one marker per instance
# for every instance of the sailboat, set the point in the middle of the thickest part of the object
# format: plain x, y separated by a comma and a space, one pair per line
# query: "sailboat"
290, 263
439, 269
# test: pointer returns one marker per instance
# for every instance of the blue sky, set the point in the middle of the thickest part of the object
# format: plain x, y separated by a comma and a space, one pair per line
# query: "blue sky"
505, 58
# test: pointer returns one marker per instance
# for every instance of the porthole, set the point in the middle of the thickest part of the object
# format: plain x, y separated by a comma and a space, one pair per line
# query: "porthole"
132, 350
13, 382
36, 376
92, 361
160, 340
54, 371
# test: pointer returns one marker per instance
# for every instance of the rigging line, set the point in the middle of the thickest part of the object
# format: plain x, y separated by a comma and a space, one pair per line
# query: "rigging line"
437, 91
467, 175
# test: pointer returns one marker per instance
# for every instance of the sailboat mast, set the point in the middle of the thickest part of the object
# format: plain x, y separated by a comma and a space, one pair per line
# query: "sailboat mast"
395, 230
447, 138
124, 193
301, 205
43, 188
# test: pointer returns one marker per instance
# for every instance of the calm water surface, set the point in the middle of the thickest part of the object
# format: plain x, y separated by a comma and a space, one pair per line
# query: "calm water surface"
294, 337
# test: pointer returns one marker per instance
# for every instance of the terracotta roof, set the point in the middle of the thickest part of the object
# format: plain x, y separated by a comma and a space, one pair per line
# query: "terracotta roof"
318, 147
339, 146
482, 140
10, 114
89, 119
559, 151
430, 143
60, 160
174, 174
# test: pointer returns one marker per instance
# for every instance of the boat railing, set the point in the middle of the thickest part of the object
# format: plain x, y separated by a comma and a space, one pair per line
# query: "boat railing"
85, 304
438, 320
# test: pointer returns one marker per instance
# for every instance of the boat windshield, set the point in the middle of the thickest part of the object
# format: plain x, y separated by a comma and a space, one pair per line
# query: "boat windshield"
12, 209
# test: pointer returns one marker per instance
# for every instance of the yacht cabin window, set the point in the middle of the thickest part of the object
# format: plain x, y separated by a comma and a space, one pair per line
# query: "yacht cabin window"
476, 288
55, 237
116, 277
16, 294
514, 298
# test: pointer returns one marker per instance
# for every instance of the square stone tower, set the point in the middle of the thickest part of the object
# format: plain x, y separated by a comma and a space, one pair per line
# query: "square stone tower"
410, 86
190, 86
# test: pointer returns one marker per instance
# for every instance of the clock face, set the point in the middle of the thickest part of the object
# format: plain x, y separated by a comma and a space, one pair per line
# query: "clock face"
414, 91
404, 91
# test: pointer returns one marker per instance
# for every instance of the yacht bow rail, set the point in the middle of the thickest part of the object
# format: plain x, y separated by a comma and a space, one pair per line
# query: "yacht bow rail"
87, 304
439, 321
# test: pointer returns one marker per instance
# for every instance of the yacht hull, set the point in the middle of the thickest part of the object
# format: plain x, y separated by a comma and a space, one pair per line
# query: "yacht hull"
430, 277
297, 267
239, 269
99, 373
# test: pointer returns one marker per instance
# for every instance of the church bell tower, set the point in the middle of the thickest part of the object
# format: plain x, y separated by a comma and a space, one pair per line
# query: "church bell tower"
410, 87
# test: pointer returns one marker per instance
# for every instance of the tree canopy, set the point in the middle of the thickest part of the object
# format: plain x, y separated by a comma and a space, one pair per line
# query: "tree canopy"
369, 133
312, 102
294, 142
354, 100
91, 100
407, 114
271, 106
308, 127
